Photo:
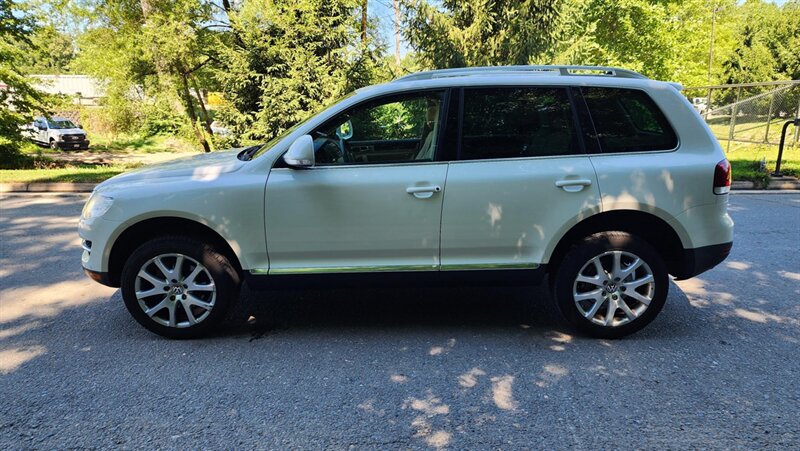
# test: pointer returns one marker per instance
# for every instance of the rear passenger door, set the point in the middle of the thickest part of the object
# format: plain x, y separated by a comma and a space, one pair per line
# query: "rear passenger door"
632, 147
520, 179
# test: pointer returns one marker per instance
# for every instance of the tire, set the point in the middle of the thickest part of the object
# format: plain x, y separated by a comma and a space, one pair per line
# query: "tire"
197, 300
611, 303
53, 144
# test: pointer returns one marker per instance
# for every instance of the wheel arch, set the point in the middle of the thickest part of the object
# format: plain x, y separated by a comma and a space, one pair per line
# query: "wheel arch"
647, 226
139, 232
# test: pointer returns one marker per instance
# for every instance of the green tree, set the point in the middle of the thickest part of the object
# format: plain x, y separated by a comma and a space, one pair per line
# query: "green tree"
463, 33
18, 99
283, 60
694, 36
634, 34
783, 40
50, 51
151, 54
751, 60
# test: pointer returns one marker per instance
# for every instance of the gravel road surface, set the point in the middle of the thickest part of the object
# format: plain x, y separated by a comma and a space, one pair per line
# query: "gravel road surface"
412, 368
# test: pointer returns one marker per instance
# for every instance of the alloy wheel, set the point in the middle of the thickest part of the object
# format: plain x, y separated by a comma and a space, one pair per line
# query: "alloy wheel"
175, 290
614, 288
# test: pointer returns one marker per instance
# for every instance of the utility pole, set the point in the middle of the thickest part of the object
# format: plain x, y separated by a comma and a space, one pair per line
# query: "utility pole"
711, 43
396, 4
364, 23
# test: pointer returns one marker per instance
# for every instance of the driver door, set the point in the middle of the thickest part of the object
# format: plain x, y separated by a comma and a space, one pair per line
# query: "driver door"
373, 200
40, 128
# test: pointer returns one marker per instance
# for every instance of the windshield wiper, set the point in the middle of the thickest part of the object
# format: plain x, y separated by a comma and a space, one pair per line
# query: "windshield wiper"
247, 153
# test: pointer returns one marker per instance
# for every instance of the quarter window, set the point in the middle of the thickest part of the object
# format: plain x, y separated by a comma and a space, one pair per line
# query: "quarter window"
401, 128
627, 120
517, 122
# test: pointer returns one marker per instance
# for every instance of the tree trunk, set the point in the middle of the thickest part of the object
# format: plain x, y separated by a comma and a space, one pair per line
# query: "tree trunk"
206, 118
364, 23
187, 98
396, 4
146, 7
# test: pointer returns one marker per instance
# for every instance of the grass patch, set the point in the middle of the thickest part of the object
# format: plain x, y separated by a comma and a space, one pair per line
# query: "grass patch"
748, 128
124, 144
76, 174
140, 144
746, 161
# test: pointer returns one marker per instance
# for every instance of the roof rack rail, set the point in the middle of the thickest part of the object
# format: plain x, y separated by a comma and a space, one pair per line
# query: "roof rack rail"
545, 70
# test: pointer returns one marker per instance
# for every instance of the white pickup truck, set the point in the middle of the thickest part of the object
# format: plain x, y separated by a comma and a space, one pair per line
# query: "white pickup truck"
58, 133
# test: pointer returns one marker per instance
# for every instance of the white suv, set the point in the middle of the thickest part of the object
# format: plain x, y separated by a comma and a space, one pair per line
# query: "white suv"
601, 178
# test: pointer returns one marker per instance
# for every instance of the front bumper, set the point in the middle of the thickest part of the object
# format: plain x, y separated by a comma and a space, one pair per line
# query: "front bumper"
84, 144
97, 235
100, 277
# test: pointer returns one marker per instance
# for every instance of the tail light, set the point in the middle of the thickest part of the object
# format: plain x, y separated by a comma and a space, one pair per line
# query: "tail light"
722, 177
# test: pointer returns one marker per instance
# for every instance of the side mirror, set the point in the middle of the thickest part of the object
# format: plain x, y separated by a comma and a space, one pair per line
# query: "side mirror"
345, 131
80, 126
300, 153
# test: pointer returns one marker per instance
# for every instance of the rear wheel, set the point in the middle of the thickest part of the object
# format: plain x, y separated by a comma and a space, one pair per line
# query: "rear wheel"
611, 284
178, 287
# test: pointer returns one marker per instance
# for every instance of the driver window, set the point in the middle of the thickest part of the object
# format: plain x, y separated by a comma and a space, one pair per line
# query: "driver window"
389, 130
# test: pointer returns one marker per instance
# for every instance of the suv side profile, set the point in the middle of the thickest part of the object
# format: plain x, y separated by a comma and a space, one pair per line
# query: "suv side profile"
604, 180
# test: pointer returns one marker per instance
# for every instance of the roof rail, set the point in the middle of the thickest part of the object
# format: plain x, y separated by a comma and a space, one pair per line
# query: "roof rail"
544, 70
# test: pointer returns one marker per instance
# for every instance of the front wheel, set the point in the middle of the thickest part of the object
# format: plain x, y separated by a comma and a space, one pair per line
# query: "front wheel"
53, 144
178, 287
611, 284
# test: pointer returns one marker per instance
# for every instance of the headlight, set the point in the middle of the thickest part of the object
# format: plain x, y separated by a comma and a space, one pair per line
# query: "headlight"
97, 206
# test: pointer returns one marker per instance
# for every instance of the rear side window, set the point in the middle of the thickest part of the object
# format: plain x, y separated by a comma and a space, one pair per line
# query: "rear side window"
627, 120
517, 122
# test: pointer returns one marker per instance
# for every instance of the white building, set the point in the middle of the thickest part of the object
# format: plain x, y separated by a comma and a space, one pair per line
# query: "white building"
84, 89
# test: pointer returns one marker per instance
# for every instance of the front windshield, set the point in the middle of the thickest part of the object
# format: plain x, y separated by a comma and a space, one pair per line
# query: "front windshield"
266, 147
60, 124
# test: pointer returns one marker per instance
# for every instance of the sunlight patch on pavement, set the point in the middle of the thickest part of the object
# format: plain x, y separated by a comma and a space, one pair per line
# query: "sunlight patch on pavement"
46, 301
738, 265
699, 296
14, 331
762, 316
790, 275
501, 392
399, 378
470, 378
11, 359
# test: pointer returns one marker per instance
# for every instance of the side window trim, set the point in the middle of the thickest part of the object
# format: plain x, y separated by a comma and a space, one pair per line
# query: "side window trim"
668, 121
381, 98
440, 134
460, 135
576, 122
586, 126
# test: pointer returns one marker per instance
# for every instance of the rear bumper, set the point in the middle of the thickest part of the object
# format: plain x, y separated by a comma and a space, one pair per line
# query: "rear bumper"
699, 260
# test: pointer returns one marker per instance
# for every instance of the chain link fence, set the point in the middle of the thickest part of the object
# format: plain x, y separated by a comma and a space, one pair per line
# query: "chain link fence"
749, 112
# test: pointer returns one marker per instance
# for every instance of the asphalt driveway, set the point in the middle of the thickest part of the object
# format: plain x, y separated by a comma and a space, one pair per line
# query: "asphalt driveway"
413, 368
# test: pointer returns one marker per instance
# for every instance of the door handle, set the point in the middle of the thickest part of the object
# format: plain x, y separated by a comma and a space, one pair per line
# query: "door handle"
423, 192
573, 185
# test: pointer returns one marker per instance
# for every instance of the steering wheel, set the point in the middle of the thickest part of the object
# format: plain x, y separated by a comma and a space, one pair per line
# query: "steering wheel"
329, 150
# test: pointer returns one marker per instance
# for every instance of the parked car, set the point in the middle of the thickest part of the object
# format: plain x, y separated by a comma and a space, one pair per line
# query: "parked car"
597, 177
58, 133
700, 104
219, 130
